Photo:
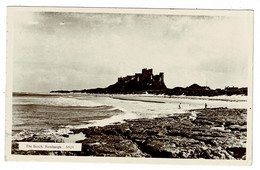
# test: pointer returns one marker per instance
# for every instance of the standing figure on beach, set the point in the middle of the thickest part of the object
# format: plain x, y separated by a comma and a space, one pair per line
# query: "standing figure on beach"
205, 105
180, 106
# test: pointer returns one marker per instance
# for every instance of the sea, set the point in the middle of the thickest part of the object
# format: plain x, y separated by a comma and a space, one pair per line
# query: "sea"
57, 114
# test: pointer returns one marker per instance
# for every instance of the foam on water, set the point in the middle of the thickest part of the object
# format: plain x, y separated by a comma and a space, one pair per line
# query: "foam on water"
62, 101
114, 119
56, 101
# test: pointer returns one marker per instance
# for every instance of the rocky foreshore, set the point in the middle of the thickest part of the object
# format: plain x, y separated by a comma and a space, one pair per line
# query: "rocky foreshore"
215, 133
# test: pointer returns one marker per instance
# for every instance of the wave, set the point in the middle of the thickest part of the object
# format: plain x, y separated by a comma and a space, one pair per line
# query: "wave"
28, 94
56, 101
62, 101
120, 118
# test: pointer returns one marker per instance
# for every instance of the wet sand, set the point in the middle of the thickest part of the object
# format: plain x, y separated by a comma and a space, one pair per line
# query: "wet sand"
215, 133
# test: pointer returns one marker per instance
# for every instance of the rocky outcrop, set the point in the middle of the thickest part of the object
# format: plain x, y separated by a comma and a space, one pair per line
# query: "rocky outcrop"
197, 90
218, 133
214, 134
154, 84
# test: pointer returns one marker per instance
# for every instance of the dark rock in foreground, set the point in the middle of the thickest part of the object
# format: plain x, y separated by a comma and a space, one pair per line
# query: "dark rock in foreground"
211, 135
218, 133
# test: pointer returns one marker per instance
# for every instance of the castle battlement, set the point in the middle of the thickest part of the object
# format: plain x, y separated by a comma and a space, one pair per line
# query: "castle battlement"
144, 79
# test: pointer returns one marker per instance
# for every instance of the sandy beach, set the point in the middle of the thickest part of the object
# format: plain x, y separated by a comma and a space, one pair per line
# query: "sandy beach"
214, 133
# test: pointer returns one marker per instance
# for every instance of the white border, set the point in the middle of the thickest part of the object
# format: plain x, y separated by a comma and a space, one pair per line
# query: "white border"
202, 4
13, 10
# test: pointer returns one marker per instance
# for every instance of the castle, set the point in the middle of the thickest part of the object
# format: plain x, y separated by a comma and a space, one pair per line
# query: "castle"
140, 81
145, 76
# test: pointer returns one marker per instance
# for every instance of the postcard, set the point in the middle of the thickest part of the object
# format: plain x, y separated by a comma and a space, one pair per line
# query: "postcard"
129, 85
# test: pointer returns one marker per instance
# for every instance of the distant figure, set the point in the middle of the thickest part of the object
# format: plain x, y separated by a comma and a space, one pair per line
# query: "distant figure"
180, 106
205, 105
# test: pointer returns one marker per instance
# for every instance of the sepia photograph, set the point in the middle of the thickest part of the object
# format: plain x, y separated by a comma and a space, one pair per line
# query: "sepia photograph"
152, 84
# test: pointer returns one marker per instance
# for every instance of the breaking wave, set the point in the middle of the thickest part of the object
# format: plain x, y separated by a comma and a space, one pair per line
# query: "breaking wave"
57, 101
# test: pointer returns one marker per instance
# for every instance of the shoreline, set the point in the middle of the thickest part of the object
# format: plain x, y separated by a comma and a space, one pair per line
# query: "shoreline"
119, 95
214, 133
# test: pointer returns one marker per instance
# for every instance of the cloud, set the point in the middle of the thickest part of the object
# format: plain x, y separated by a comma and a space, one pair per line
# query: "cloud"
77, 50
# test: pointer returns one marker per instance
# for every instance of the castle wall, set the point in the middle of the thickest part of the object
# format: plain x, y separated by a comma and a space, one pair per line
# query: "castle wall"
144, 80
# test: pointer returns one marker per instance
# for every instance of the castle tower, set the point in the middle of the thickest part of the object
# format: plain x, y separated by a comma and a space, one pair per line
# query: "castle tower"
161, 77
147, 72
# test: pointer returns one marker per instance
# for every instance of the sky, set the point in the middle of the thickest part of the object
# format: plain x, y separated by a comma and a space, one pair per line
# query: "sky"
76, 50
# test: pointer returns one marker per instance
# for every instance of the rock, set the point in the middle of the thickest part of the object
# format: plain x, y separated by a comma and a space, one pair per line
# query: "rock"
65, 135
238, 128
217, 133
237, 153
